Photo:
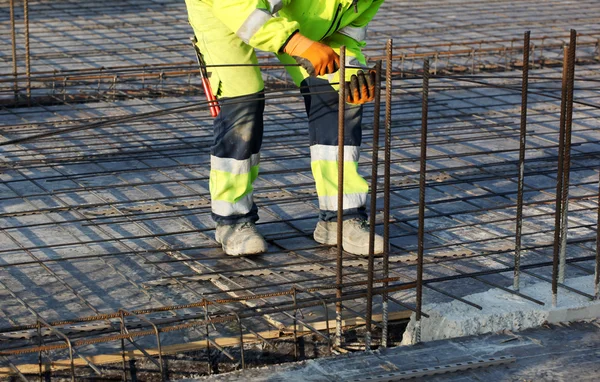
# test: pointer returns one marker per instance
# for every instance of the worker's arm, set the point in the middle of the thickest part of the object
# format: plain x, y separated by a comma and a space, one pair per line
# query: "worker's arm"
358, 28
361, 87
353, 36
254, 21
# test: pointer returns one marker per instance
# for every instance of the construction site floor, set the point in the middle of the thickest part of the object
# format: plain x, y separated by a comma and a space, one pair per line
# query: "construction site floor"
109, 209
551, 353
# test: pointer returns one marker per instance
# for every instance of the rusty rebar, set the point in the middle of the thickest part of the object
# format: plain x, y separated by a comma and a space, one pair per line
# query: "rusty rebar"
387, 220
559, 178
13, 39
207, 328
567, 157
241, 330
564, 165
597, 267
160, 363
422, 184
191, 322
386, 187
123, 359
27, 50
373, 207
39, 343
295, 324
564, 226
340, 205
68, 342
522, 145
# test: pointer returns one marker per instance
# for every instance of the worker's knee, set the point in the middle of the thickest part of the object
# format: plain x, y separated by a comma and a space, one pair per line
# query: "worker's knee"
239, 126
322, 103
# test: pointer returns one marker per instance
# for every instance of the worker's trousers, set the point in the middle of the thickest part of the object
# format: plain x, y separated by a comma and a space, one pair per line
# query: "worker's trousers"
238, 129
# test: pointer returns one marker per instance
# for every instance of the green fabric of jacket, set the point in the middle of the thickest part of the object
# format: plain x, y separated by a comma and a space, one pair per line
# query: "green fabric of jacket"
319, 20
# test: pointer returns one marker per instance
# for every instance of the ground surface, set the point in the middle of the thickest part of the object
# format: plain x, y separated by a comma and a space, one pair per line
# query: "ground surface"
103, 217
551, 353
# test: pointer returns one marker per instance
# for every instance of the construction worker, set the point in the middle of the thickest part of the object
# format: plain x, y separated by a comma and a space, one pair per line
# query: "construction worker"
305, 32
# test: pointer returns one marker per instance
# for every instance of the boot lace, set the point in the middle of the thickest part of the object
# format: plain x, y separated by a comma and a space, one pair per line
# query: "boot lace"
246, 225
363, 224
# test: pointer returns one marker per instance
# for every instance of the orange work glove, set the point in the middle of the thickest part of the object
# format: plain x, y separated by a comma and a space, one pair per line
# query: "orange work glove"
318, 59
361, 88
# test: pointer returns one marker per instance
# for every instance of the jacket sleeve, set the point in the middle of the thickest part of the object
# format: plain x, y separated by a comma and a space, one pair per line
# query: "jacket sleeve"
353, 36
255, 22
357, 30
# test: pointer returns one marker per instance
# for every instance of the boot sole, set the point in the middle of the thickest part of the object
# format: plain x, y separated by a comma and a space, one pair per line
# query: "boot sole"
351, 248
241, 254
230, 252
324, 239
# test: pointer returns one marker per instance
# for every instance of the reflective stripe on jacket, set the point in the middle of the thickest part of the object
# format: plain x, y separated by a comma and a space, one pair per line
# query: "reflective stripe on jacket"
267, 24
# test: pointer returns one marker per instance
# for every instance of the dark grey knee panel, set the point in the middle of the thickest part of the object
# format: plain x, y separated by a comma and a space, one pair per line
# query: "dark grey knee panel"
238, 129
322, 105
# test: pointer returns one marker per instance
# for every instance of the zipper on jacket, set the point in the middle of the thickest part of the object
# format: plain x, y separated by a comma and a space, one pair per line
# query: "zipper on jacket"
337, 12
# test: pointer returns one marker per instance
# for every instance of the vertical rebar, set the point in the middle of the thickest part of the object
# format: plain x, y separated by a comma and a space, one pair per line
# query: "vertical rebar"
123, 360
27, 56
522, 144
340, 211
374, 165
386, 187
328, 329
564, 226
67, 340
567, 158
162, 362
402, 59
422, 179
207, 328
559, 178
564, 221
597, 273
13, 39
295, 324
71, 361
564, 163
512, 47
39, 342
241, 329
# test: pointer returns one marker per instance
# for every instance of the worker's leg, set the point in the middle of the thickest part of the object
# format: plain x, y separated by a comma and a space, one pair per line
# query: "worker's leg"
321, 100
322, 106
238, 129
322, 103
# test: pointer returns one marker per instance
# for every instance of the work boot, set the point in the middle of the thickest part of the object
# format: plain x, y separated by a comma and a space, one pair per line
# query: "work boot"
240, 239
355, 236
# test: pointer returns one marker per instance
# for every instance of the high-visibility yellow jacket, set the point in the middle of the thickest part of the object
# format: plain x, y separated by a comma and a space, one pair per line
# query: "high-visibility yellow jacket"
267, 24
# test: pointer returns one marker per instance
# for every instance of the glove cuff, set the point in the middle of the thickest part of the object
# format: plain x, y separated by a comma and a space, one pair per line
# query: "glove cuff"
297, 45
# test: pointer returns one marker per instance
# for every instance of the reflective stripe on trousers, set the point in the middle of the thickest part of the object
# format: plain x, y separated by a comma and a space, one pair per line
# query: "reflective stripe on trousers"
238, 132
238, 129
238, 138
321, 101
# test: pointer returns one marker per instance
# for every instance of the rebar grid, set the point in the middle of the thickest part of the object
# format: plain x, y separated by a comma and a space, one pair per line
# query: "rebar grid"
126, 190
93, 58
453, 176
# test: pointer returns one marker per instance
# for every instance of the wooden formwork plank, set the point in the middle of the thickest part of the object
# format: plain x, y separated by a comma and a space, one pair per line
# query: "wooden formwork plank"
104, 359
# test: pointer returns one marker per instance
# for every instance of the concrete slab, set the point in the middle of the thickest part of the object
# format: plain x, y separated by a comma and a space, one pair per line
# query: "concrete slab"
113, 211
505, 311
552, 353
